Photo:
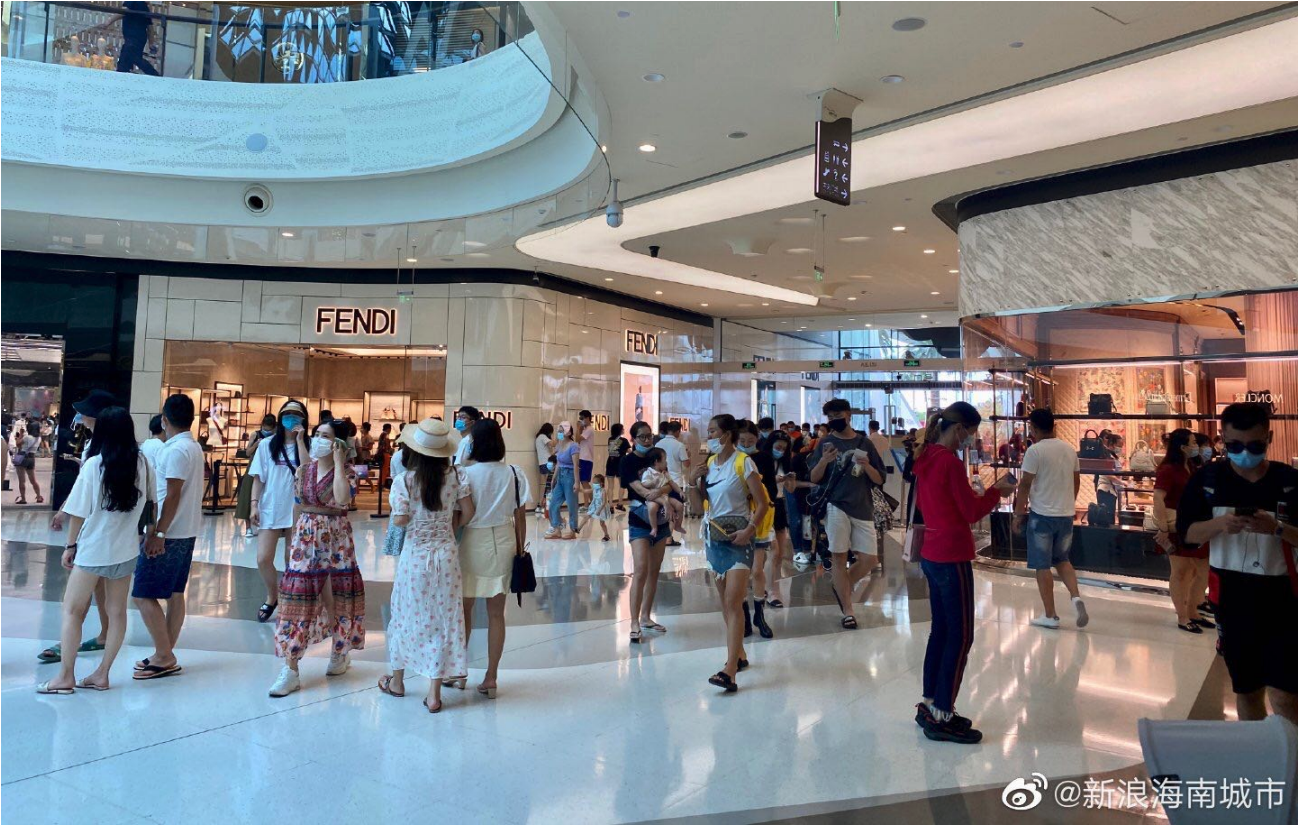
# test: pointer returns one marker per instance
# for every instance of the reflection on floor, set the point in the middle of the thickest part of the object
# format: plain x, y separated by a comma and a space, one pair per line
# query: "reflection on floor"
587, 727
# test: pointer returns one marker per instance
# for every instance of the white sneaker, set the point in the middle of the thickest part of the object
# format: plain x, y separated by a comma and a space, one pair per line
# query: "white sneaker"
339, 663
552, 533
249, 533
1078, 605
287, 683
802, 558
1051, 622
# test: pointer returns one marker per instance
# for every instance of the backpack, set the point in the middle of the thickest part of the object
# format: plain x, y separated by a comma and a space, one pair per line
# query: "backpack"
818, 499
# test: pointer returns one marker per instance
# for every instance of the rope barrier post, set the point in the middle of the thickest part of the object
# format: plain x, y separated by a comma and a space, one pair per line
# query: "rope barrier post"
383, 475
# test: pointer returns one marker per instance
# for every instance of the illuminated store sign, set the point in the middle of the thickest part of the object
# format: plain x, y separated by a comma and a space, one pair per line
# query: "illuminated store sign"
642, 343
505, 418
356, 321
683, 421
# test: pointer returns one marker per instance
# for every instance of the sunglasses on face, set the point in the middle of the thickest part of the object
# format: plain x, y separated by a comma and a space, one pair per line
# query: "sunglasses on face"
1255, 447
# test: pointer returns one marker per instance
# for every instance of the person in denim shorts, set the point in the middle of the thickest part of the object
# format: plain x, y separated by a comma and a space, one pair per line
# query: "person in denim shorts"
1048, 488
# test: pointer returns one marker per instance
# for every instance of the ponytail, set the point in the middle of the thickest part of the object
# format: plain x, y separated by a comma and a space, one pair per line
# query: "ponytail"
932, 431
959, 412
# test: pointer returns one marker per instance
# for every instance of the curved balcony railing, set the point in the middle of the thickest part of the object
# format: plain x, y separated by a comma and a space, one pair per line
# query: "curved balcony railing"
247, 43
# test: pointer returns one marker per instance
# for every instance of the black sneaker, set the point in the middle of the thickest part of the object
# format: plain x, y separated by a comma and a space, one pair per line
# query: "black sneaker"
951, 731
923, 715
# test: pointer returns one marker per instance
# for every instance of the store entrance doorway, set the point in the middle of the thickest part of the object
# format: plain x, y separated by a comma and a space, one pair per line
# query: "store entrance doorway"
30, 397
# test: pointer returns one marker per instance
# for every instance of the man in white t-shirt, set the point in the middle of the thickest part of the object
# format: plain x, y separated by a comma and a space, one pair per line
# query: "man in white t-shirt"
163, 569
466, 418
152, 449
1049, 487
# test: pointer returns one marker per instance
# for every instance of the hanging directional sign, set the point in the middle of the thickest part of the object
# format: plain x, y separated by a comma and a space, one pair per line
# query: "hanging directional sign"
833, 160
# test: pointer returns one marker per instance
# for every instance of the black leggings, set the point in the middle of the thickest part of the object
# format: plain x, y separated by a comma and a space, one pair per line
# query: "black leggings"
951, 629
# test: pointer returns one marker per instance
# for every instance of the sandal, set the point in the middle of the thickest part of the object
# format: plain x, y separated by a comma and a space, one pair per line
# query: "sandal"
635, 636
20, 501
141, 665
155, 672
849, 622
385, 686
45, 689
430, 708
86, 683
265, 611
655, 626
1203, 622
90, 646
40, 500
721, 680
457, 682
741, 665
776, 603
50, 655
1190, 627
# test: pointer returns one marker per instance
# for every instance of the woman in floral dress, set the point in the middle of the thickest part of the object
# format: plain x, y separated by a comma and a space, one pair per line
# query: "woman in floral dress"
321, 593
431, 500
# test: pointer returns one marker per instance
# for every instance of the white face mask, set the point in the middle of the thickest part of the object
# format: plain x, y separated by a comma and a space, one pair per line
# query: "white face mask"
321, 447
714, 445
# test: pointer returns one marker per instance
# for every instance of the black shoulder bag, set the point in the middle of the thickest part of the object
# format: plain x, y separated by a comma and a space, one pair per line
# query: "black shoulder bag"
819, 497
523, 578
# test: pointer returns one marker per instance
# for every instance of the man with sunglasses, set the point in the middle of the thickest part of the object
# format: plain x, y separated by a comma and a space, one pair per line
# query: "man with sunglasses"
1244, 508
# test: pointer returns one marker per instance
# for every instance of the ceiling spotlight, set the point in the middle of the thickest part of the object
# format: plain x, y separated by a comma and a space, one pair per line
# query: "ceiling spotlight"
478, 255
868, 325
953, 271
766, 304
286, 234
795, 221
908, 24
604, 148
475, 244
855, 239
924, 316
703, 305
852, 297
412, 260
738, 135
899, 229
929, 251
799, 250
624, 14
610, 279
658, 292
935, 292
892, 78
647, 147
652, 77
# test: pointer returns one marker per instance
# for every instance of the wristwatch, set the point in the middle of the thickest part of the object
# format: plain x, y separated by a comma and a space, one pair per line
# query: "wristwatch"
72, 546
159, 534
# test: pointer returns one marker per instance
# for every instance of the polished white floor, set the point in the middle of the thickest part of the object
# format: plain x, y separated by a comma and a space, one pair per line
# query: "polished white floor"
587, 728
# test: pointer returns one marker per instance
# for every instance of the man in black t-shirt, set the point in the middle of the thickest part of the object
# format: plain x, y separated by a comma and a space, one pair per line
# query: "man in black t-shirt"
135, 37
1244, 509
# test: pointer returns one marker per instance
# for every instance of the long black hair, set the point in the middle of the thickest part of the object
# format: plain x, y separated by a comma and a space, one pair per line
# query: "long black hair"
1176, 452
430, 474
119, 454
276, 443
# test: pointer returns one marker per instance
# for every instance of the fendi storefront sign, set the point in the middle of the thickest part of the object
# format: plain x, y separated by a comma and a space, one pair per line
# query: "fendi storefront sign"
642, 343
355, 321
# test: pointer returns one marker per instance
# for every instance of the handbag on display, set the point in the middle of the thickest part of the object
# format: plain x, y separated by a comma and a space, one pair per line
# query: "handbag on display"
1100, 404
523, 577
1158, 406
1091, 447
1100, 515
1142, 459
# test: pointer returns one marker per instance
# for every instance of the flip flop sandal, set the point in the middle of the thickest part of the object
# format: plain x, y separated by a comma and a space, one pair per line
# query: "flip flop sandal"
776, 603
90, 646
385, 685
88, 686
849, 622
655, 626
50, 655
430, 708
265, 612
45, 689
155, 672
721, 680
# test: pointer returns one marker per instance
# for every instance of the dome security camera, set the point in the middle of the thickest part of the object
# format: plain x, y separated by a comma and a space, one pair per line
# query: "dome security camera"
613, 212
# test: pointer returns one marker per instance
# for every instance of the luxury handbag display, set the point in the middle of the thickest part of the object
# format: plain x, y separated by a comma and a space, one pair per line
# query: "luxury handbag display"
1158, 407
1091, 447
1100, 404
1132, 518
1099, 515
1142, 459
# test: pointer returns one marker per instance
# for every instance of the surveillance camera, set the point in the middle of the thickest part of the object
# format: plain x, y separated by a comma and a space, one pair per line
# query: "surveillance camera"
654, 250
536, 279
613, 212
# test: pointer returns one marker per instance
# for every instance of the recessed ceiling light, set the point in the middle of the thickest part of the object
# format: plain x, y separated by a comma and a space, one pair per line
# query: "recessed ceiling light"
604, 148
868, 325
784, 322
935, 292
738, 135
929, 251
703, 305
584, 332
795, 221
908, 24
852, 297
798, 250
899, 229
765, 304
610, 279
475, 244
924, 316
447, 260
892, 78
286, 234
647, 147
1018, 44
478, 255
855, 239
412, 260
652, 77
953, 271
624, 14
658, 292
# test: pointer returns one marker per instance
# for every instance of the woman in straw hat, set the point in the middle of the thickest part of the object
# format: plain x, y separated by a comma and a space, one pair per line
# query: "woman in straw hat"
431, 500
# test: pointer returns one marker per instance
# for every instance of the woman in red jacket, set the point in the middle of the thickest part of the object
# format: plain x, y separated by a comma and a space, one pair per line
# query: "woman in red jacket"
949, 506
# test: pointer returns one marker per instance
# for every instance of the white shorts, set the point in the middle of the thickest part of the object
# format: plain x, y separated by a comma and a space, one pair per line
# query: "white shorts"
844, 533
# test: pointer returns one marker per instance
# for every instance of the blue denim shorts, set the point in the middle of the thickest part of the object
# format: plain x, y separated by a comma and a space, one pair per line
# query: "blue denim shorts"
724, 557
1049, 540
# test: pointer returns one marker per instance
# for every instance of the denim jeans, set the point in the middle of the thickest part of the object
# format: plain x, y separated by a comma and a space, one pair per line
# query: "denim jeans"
951, 631
795, 522
562, 490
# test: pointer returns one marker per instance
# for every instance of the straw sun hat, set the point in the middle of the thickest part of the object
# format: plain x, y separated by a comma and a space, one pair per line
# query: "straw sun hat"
431, 438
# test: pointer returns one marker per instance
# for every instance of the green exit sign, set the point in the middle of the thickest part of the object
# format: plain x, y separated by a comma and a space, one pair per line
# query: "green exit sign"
826, 365
911, 362
748, 365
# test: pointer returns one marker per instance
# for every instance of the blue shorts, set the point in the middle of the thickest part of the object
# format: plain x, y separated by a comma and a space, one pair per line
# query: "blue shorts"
162, 577
638, 519
1049, 540
724, 557
584, 469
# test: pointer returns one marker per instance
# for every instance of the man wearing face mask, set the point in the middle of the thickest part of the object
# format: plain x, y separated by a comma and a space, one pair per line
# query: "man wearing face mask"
466, 418
850, 517
1245, 509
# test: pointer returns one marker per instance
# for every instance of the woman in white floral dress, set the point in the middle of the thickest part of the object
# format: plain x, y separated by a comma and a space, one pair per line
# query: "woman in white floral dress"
431, 500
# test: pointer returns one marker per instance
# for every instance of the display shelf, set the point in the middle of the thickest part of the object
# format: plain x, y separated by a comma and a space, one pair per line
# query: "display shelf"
1134, 417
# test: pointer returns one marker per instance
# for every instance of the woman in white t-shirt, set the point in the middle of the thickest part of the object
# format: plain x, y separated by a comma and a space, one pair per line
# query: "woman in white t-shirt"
104, 510
273, 467
25, 440
491, 538
737, 501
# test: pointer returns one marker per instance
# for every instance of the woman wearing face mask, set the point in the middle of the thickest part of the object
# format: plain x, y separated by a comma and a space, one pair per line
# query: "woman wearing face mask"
646, 549
949, 507
749, 438
479, 47
545, 446
273, 468
1189, 566
322, 588
730, 482
779, 450
618, 447
565, 485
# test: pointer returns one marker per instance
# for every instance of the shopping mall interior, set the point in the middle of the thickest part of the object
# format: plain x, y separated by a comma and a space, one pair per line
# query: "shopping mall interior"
1009, 247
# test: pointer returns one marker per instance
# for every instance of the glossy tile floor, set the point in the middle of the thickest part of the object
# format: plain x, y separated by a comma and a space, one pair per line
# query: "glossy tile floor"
587, 728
